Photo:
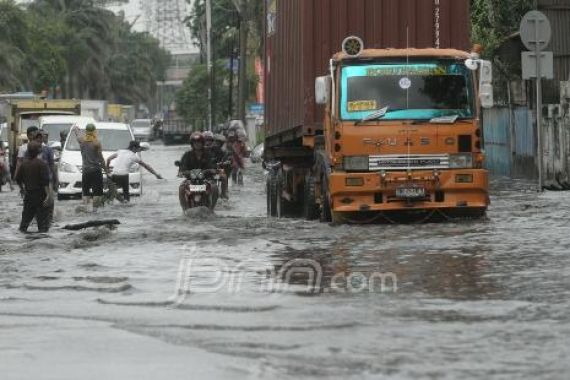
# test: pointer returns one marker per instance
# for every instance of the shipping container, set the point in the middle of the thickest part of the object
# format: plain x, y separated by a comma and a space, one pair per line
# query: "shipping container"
303, 35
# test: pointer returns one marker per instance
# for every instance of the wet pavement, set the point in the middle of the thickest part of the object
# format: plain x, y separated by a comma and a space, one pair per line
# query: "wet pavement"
238, 295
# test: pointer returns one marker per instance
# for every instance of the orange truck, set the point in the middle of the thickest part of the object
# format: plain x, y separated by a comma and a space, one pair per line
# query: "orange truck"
374, 110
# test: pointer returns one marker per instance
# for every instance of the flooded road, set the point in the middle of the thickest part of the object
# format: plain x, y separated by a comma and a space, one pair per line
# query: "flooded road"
242, 296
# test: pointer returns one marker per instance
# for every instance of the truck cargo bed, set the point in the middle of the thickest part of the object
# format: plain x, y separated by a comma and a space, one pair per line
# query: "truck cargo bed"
302, 35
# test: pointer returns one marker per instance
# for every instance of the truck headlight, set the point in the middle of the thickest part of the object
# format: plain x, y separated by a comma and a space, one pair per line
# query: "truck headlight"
356, 163
64, 167
461, 161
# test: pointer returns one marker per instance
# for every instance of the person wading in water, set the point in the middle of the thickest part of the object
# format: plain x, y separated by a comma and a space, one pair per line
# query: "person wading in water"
33, 179
93, 165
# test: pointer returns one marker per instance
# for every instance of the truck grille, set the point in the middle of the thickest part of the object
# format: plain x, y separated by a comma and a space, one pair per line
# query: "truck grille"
404, 162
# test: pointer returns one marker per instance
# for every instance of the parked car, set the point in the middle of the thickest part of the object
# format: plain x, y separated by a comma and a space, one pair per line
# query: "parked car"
143, 129
113, 136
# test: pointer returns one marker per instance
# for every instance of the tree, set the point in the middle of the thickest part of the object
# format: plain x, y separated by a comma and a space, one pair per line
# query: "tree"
495, 20
13, 43
76, 45
191, 103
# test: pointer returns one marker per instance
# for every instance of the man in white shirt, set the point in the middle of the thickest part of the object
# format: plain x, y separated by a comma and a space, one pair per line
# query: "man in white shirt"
124, 160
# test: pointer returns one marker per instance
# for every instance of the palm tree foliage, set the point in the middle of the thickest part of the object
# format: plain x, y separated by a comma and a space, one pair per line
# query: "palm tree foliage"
79, 47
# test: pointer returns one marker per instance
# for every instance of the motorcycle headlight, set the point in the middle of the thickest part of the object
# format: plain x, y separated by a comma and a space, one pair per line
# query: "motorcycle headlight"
201, 176
193, 176
356, 163
65, 167
461, 161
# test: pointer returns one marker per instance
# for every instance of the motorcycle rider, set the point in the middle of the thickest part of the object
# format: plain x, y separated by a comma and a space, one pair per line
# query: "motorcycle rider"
235, 145
208, 141
196, 158
222, 160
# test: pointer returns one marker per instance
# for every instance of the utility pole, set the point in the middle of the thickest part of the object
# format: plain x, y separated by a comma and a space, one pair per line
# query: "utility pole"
231, 92
243, 37
209, 58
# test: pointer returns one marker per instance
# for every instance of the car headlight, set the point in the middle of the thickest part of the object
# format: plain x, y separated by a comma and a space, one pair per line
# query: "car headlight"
135, 168
356, 163
461, 161
64, 167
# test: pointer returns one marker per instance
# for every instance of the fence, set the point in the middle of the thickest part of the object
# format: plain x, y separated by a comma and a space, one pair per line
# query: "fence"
511, 144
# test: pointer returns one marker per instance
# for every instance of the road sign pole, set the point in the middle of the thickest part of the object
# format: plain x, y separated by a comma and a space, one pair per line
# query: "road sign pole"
536, 33
537, 51
539, 120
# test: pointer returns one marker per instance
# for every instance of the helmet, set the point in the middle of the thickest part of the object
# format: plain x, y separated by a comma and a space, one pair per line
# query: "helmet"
220, 138
196, 137
208, 135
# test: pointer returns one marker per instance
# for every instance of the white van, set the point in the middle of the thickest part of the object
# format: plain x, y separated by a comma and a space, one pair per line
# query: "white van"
54, 125
113, 136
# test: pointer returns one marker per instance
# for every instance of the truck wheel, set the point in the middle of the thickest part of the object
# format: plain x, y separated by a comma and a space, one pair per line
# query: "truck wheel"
280, 207
326, 213
337, 218
271, 195
310, 211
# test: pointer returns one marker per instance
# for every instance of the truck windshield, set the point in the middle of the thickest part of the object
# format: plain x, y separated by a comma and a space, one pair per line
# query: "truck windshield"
54, 130
412, 91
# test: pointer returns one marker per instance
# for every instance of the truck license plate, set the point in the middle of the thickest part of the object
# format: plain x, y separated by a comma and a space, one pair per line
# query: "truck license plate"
411, 192
198, 188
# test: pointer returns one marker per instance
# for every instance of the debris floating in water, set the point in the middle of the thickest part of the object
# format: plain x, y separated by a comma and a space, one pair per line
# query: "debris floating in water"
93, 223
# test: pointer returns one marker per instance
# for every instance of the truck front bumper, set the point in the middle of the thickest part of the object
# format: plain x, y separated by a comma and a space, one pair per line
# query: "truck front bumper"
449, 189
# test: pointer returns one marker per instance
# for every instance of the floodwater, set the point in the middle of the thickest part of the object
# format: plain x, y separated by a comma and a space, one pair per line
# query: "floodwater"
237, 295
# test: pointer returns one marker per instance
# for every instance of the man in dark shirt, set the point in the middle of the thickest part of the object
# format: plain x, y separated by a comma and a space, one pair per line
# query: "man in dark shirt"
198, 157
93, 165
33, 179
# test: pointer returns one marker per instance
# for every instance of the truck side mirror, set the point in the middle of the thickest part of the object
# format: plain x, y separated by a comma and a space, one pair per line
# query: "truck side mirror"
486, 95
323, 89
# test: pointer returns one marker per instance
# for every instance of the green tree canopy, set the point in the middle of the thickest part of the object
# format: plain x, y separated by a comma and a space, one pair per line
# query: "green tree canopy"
80, 48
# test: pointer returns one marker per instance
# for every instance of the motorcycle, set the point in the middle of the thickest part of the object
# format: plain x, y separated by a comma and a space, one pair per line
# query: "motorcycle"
198, 190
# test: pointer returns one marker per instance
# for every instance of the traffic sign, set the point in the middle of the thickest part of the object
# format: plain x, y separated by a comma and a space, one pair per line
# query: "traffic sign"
530, 65
536, 31
256, 109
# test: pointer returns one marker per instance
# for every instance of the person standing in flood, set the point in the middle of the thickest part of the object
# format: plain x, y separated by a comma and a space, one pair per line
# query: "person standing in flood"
93, 165
33, 179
